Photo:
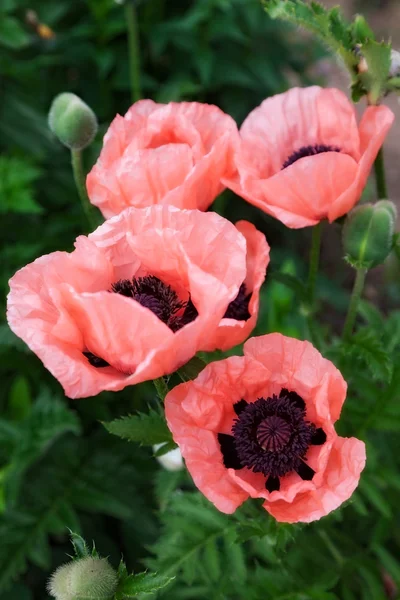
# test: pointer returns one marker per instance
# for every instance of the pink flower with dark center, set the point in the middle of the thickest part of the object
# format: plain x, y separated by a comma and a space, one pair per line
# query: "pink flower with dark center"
139, 297
303, 158
262, 426
172, 153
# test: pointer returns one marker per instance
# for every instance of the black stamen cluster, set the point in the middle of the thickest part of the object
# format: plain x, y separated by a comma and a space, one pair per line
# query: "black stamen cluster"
154, 294
271, 436
308, 151
239, 307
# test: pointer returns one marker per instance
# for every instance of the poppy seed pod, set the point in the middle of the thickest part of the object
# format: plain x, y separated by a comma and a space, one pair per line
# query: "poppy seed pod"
368, 234
86, 578
72, 121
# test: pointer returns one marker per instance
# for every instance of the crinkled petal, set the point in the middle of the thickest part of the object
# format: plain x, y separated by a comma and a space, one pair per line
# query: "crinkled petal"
342, 474
232, 332
298, 366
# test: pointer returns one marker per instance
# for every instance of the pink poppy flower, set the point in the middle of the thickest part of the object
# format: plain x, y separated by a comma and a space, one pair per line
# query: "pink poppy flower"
172, 153
262, 426
302, 157
137, 298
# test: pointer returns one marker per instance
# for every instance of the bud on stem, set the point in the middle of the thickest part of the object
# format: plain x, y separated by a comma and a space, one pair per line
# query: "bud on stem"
89, 578
72, 121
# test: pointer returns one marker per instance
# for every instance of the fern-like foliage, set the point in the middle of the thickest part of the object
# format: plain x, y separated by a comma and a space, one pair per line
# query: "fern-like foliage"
95, 475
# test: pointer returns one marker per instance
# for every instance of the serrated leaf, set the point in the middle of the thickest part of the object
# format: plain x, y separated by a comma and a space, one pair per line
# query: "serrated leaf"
143, 583
147, 429
327, 24
365, 347
377, 56
80, 547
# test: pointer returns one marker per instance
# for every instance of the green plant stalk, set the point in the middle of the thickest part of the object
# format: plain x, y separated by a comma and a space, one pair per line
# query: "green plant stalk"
79, 177
134, 50
314, 264
354, 301
161, 388
380, 176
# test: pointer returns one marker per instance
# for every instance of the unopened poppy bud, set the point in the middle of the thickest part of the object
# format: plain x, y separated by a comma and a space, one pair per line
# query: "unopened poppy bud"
368, 234
394, 70
58, 583
172, 460
86, 578
72, 121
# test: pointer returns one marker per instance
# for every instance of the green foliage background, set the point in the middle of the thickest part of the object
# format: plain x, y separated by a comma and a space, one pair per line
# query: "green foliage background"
59, 467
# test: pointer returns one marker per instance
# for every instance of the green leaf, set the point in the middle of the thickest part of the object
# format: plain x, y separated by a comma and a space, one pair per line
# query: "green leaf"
191, 369
377, 55
290, 281
17, 177
19, 400
143, 583
146, 429
12, 35
365, 348
80, 547
327, 24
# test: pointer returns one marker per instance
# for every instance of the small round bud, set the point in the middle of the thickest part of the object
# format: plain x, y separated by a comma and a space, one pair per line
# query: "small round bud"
85, 579
72, 121
172, 460
368, 234
92, 578
57, 585
394, 70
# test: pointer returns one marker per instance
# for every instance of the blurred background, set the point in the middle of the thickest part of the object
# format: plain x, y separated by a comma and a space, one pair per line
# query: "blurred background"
58, 467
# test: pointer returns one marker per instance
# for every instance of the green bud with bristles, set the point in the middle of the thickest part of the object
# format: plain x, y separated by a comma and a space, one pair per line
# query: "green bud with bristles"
85, 579
368, 234
72, 121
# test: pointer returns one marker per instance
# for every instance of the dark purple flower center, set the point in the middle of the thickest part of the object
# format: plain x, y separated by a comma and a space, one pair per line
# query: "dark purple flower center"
308, 151
271, 436
164, 302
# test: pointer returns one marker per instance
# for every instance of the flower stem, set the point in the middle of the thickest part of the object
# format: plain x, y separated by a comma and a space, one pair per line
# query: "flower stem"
79, 177
161, 388
134, 50
355, 298
314, 263
380, 176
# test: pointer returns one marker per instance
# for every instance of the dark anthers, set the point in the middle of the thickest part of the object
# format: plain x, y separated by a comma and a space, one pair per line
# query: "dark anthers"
308, 151
271, 436
239, 307
155, 295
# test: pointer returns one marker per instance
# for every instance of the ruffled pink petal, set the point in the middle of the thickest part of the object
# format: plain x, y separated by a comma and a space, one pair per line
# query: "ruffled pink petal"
231, 332
200, 448
298, 366
300, 117
202, 252
342, 474
171, 154
305, 189
374, 127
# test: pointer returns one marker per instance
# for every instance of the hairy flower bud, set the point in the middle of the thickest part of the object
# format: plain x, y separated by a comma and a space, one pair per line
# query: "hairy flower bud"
57, 585
368, 234
172, 460
394, 70
72, 121
88, 578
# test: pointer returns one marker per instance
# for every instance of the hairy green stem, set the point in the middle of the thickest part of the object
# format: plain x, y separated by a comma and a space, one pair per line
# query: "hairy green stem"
354, 301
80, 182
380, 176
161, 388
134, 50
314, 263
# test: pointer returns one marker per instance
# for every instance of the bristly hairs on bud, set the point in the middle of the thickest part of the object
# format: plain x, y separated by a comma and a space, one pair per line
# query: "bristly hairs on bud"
72, 121
368, 234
